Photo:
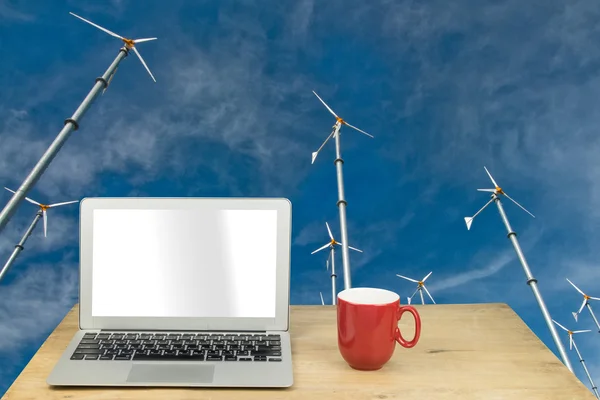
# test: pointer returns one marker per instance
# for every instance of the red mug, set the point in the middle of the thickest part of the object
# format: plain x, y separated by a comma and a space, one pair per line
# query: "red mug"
367, 322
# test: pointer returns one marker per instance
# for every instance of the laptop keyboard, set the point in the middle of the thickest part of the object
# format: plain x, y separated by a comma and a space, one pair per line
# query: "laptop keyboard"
178, 346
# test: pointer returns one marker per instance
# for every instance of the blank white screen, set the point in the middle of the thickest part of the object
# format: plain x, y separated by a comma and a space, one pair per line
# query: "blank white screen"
184, 263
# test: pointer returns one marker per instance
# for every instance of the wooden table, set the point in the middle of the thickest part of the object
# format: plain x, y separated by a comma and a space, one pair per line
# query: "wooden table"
471, 351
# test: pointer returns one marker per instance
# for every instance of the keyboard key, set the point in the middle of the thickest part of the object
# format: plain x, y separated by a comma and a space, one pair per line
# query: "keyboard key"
245, 359
123, 357
106, 357
88, 346
274, 359
265, 353
214, 358
77, 356
230, 358
91, 356
88, 351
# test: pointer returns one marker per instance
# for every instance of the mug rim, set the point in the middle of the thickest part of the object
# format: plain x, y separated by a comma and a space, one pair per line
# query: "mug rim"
392, 297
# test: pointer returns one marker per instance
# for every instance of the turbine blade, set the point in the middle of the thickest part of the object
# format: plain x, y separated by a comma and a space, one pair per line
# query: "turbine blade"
316, 153
519, 205
490, 175
575, 316
361, 131
408, 279
26, 198
63, 203
97, 26
329, 231
468, 221
576, 288
594, 298
143, 62
321, 248
586, 330
409, 300
428, 275
582, 305
355, 249
45, 215
413, 295
487, 190
566, 330
428, 294
325, 104
570, 342
136, 41
322, 301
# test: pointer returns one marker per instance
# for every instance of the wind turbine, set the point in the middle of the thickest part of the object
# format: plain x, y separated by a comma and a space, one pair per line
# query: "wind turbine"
322, 301
41, 213
585, 302
331, 244
531, 281
420, 288
573, 344
71, 124
341, 203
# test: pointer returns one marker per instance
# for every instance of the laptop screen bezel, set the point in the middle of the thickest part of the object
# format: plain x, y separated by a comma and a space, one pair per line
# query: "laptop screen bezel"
282, 294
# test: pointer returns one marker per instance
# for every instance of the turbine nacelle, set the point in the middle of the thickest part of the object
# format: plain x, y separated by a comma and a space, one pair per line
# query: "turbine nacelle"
586, 299
570, 333
332, 242
129, 43
336, 128
44, 208
495, 193
420, 286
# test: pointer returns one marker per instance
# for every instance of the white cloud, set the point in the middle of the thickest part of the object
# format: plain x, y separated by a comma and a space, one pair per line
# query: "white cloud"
8, 12
34, 303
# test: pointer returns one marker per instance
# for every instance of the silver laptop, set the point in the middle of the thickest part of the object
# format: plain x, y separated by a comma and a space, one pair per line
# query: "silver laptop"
182, 292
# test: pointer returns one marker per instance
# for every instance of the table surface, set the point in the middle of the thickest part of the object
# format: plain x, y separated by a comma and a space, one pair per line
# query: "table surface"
466, 351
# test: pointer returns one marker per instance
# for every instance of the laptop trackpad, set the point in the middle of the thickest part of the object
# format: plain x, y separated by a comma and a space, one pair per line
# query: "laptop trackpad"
171, 373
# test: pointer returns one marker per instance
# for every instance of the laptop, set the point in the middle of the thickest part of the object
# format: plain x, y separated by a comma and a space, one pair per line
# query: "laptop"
188, 292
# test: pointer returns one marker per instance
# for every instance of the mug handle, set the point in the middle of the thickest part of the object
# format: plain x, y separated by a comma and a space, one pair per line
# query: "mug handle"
398, 335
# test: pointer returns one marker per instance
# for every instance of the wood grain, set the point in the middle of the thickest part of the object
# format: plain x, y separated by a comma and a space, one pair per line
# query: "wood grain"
466, 351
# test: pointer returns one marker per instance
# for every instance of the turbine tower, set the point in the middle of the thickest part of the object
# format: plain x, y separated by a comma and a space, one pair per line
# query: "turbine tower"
420, 288
341, 203
573, 344
331, 244
71, 124
531, 281
586, 302
41, 213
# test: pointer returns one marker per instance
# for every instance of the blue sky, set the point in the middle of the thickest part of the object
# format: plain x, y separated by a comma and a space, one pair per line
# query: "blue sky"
444, 88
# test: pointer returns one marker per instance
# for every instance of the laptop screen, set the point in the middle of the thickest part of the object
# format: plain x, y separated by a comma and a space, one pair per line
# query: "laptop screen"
184, 263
